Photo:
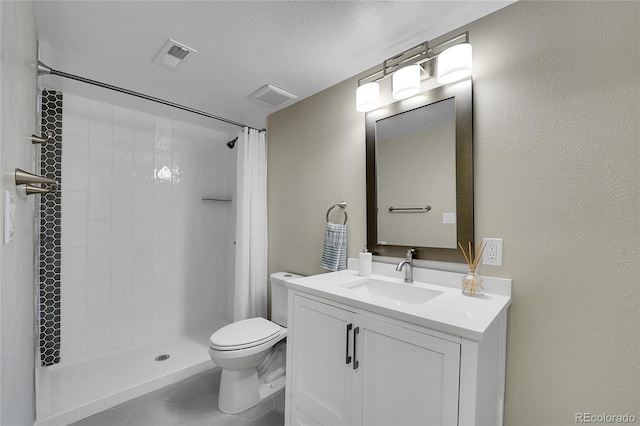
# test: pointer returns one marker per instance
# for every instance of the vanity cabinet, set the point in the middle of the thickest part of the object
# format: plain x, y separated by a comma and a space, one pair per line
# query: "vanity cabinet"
349, 367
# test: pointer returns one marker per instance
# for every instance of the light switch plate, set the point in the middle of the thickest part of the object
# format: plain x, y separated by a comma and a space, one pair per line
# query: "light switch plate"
449, 218
7, 217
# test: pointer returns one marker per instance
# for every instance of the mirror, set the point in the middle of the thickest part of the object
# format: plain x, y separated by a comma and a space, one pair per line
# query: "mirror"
420, 175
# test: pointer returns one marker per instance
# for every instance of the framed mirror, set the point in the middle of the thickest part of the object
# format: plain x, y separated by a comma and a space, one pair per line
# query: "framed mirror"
420, 174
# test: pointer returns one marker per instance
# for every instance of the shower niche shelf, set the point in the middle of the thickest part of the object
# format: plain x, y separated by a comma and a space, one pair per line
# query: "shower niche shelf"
216, 199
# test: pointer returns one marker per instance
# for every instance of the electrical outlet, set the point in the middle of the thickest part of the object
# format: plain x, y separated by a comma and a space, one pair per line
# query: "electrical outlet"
492, 252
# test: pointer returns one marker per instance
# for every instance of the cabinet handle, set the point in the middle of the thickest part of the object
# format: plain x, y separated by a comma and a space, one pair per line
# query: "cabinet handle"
348, 359
355, 339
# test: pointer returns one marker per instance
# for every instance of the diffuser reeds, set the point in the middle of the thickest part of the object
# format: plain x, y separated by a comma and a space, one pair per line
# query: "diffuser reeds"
472, 283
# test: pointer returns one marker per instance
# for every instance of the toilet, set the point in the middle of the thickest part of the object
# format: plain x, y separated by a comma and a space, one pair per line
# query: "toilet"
252, 353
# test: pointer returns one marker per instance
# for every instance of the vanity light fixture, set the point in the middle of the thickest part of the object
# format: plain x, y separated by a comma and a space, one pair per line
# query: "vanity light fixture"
412, 66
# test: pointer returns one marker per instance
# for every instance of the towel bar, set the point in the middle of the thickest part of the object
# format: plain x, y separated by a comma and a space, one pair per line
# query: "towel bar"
410, 209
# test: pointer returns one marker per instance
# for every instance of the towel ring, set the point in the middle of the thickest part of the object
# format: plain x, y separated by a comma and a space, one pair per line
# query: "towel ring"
342, 205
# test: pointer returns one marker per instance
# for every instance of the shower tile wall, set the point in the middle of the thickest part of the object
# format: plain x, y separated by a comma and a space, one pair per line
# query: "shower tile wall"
49, 253
143, 256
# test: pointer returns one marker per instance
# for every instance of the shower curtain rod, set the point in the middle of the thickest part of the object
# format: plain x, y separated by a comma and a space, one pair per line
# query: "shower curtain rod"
46, 70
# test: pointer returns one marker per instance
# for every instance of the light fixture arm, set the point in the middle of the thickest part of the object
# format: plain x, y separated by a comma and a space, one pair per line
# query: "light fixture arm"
421, 54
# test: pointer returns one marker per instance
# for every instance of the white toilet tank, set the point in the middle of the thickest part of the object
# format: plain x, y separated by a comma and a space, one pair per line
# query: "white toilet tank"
279, 296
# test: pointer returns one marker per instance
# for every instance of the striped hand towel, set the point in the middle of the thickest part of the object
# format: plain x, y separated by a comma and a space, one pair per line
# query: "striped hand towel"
334, 253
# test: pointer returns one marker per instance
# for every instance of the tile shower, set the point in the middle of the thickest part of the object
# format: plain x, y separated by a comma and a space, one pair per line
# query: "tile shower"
141, 256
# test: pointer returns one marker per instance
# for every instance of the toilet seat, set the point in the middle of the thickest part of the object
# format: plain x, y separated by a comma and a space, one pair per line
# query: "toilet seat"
244, 334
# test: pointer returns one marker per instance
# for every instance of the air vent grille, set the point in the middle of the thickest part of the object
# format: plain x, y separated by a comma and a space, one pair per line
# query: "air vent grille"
178, 52
173, 55
272, 96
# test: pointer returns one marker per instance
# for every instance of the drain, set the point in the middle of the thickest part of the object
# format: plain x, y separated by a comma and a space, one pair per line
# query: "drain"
163, 357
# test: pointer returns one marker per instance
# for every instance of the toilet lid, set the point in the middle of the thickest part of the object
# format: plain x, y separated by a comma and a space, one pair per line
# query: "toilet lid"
243, 334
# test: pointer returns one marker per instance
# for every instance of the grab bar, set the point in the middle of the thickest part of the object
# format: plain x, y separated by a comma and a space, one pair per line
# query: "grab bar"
410, 209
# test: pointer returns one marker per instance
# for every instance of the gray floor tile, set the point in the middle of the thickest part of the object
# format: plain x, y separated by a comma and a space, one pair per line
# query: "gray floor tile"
141, 401
187, 390
202, 411
198, 397
274, 417
278, 399
233, 421
110, 417
159, 413
257, 411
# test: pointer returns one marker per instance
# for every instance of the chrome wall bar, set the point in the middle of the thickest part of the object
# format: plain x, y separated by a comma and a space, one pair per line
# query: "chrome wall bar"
39, 139
30, 180
46, 70
26, 178
410, 209
35, 190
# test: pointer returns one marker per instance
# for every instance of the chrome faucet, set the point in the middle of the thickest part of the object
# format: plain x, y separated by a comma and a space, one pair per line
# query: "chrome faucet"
408, 262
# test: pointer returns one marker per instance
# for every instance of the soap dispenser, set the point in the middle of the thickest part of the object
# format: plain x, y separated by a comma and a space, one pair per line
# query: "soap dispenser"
365, 263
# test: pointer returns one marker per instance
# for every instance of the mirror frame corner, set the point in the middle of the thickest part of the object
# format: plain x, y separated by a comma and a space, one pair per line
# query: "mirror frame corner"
462, 92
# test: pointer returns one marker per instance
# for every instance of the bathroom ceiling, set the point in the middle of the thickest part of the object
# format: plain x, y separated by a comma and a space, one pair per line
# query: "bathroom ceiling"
303, 47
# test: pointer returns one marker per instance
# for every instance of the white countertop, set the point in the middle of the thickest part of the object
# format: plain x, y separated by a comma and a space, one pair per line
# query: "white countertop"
450, 312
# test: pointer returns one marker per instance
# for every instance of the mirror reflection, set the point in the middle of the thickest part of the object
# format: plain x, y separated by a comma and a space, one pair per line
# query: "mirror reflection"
417, 149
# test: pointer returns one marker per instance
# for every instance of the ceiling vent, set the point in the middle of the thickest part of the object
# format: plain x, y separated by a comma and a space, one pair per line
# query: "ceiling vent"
272, 96
173, 55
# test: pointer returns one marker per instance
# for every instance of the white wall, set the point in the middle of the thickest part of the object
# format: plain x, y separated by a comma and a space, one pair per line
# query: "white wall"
143, 256
557, 175
17, 123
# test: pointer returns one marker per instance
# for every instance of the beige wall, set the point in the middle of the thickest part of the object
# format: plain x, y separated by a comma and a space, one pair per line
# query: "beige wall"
316, 158
556, 137
17, 123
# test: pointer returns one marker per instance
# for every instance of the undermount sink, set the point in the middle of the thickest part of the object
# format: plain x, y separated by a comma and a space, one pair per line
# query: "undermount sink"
399, 292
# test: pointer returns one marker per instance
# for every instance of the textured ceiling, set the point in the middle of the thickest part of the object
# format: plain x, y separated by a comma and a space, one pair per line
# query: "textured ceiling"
302, 47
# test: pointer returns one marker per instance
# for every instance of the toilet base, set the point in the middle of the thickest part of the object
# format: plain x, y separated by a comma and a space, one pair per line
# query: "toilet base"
240, 390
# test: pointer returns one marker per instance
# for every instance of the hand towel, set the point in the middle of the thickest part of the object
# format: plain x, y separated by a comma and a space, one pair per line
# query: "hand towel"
334, 253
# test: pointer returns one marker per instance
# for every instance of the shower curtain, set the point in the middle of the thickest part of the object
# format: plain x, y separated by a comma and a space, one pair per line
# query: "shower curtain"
250, 292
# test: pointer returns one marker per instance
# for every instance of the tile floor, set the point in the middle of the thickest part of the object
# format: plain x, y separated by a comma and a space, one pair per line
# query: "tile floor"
191, 402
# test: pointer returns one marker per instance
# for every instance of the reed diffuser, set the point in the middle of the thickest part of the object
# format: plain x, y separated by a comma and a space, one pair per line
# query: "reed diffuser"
472, 282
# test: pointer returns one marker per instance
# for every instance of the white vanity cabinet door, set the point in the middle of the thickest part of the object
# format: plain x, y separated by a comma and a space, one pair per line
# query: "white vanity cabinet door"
321, 379
404, 377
